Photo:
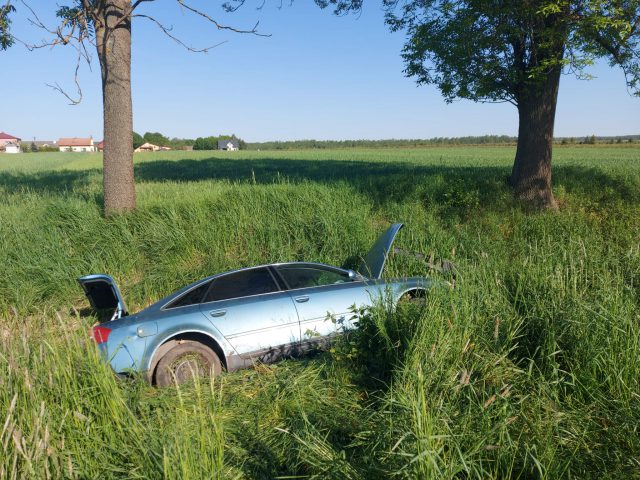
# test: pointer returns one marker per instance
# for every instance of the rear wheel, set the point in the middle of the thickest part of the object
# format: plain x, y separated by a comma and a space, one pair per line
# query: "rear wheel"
186, 361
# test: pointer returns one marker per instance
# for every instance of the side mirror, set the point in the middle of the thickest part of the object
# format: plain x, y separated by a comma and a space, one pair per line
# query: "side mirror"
352, 275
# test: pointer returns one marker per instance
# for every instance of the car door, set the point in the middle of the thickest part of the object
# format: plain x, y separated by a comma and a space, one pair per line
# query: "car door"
256, 317
324, 297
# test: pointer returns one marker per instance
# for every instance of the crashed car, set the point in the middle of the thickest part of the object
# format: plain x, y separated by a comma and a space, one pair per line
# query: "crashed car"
231, 320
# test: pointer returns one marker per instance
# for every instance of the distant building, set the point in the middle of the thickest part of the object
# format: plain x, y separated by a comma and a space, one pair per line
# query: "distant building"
150, 147
229, 145
45, 143
12, 148
5, 138
76, 144
100, 146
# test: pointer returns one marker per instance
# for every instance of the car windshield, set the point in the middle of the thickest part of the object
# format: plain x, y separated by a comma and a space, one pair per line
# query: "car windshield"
305, 276
241, 284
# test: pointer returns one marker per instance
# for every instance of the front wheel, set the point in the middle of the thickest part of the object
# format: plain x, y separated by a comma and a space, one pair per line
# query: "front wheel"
415, 298
185, 362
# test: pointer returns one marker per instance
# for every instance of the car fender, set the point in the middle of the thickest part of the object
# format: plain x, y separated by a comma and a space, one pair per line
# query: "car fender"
155, 349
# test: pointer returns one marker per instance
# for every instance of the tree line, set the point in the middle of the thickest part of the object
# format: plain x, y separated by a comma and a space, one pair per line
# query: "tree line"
200, 143
429, 142
211, 143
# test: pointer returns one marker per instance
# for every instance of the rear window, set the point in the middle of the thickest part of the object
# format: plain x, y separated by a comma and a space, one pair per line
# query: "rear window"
192, 297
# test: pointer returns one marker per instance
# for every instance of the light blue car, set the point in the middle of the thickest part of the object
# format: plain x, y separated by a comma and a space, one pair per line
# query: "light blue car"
231, 320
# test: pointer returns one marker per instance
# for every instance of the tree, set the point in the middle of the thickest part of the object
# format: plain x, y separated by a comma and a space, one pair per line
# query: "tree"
137, 140
211, 143
206, 143
6, 39
157, 139
514, 51
106, 26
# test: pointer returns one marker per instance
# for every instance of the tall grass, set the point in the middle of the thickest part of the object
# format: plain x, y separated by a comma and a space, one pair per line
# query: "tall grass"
526, 368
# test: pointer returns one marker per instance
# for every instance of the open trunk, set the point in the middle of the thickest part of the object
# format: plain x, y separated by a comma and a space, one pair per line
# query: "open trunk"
104, 296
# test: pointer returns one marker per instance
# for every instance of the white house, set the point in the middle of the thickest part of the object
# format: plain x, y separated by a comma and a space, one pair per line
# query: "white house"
12, 148
228, 145
76, 145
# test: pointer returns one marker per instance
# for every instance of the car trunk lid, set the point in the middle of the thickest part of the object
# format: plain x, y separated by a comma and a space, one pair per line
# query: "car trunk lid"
104, 296
373, 264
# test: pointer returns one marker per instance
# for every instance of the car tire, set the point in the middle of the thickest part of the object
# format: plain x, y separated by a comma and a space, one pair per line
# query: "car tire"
416, 298
184, 362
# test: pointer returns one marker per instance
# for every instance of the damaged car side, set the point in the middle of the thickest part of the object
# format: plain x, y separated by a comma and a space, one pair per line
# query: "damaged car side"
231, 320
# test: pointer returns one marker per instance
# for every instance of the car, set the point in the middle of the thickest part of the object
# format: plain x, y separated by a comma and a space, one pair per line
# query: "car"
233, 319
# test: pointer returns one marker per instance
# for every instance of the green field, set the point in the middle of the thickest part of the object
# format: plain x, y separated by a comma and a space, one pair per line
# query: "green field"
528, 368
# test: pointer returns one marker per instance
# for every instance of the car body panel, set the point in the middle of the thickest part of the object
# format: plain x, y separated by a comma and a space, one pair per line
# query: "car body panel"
255, 323
176, 322
263, 326
329, 308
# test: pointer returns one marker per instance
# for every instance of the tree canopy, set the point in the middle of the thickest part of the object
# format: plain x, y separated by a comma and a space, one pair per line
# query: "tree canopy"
488, 50
6, 40
211, 143
157, 139
137, 140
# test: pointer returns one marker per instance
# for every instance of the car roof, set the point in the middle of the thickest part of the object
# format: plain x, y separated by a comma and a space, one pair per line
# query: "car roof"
169, 298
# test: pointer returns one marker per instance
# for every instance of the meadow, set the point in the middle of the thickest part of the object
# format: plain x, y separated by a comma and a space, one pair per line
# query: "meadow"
526, 368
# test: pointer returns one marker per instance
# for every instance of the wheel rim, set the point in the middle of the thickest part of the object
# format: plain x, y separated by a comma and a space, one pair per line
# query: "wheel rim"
188, 367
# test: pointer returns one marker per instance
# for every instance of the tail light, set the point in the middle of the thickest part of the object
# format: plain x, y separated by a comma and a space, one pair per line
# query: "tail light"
101, 334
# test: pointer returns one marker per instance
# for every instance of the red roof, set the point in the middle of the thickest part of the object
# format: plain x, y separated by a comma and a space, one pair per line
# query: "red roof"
75, 142
6, 136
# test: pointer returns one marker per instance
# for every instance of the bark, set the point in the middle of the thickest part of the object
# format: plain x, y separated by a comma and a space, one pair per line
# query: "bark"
531, 173
113, 42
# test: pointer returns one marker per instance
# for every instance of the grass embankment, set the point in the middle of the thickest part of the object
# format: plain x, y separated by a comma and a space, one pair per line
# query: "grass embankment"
527, 368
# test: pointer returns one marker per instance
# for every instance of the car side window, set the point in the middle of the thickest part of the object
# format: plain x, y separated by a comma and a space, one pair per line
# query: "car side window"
306, 276
241, 284
192, 297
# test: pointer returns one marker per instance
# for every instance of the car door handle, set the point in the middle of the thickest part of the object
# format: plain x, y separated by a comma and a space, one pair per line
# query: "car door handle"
218, 313
302, 299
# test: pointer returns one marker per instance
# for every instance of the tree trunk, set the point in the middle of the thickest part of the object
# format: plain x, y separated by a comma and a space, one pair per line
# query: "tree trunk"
113, 42
531, 173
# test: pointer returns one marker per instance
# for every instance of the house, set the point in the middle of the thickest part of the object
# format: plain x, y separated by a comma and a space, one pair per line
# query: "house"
229, 145
76, 144
5, 138
100, 146
12, 148
150, 147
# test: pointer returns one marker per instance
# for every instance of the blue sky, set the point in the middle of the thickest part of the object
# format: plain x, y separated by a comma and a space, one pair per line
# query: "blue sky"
318, 76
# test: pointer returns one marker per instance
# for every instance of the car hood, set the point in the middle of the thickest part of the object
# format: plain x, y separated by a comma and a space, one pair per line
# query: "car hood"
373, 264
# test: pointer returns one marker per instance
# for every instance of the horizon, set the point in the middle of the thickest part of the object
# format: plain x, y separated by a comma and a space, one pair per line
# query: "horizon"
328, 140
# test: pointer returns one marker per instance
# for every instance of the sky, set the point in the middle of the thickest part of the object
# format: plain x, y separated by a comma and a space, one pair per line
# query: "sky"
317, 76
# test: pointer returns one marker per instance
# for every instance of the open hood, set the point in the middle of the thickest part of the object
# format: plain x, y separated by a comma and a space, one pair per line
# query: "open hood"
373, 263
103, 294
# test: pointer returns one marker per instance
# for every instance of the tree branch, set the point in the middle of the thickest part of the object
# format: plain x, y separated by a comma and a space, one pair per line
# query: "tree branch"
167, 31
76, 80
219, 26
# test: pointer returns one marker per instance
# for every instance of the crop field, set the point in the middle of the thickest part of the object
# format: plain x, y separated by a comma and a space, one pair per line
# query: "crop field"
527, 367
